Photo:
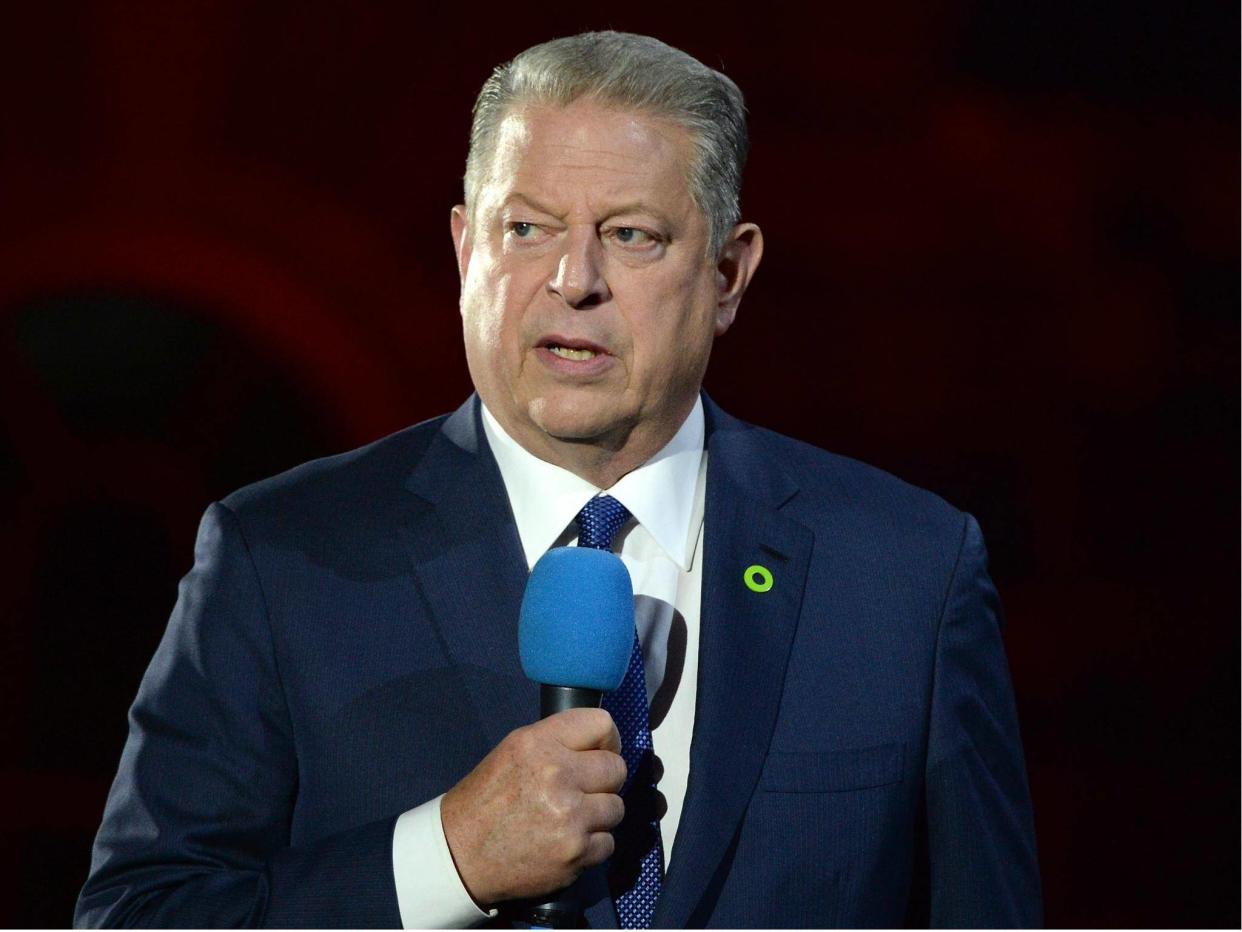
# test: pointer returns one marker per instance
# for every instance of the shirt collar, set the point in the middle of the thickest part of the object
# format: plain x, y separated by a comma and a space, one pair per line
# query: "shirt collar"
660, 494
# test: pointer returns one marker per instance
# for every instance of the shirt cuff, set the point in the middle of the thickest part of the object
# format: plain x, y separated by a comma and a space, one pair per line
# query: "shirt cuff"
430, 894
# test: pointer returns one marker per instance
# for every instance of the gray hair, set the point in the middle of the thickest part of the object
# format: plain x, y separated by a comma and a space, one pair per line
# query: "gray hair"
637, 72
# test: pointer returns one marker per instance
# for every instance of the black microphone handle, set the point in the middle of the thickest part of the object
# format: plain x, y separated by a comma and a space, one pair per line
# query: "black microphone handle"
563, 911
553, 699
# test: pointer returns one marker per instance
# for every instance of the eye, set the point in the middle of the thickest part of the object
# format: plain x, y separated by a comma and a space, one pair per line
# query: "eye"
634, 238
631, 236
522, 230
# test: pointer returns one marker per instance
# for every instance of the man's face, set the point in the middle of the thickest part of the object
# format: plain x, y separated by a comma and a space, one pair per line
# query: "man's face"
589, 301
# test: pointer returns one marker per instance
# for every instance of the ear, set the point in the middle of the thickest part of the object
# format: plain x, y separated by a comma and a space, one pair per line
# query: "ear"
739, 258
461, 240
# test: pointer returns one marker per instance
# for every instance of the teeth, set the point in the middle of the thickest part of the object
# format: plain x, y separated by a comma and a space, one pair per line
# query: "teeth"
577, 354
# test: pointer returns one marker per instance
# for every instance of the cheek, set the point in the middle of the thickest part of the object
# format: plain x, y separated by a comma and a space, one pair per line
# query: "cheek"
676, 336
485, 309
496, 298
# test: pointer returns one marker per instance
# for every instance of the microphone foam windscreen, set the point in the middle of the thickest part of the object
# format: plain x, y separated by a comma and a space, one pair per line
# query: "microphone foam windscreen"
576, 627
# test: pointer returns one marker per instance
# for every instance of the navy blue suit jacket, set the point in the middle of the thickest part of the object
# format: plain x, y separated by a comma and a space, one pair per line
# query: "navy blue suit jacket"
345, 648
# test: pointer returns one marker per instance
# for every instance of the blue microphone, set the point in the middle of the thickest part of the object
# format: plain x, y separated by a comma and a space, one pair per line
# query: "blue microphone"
576, 627
575, 635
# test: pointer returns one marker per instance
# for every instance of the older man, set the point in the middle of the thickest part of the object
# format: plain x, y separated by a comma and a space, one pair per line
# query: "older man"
816, 727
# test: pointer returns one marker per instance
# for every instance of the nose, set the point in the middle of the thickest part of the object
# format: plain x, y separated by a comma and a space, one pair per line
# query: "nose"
579, 279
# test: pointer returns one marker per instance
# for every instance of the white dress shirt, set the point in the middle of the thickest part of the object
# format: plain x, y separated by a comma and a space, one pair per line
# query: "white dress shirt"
662, 547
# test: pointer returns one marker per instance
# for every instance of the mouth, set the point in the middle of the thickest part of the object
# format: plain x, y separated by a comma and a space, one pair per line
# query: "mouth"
574, 350
578, 361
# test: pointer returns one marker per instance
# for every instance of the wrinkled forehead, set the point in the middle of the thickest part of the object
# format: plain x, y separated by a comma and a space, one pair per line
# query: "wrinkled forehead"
563, 153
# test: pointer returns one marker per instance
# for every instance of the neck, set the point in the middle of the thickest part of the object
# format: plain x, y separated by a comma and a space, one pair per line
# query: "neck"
600, 463
604, 459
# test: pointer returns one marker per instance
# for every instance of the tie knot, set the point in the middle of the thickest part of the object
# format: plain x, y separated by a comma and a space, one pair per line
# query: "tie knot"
599, 520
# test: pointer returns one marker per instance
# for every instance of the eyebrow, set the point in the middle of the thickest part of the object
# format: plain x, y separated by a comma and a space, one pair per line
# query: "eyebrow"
638, 207
633, 207
529, 202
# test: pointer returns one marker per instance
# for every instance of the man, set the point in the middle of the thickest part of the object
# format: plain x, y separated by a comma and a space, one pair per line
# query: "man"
817, 726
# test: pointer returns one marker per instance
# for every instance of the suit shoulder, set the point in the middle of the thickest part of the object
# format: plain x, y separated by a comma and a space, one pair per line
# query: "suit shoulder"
829, 480
336, 483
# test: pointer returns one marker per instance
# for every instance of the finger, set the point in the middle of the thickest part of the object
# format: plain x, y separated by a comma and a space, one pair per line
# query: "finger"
584, 730
602, 812
612, 741
599, 848
599, 771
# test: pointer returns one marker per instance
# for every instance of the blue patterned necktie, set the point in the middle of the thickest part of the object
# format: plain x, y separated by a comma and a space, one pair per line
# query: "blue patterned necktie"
636, 871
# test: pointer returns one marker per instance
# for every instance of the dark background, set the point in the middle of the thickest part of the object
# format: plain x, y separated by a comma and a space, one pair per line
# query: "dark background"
1002, 262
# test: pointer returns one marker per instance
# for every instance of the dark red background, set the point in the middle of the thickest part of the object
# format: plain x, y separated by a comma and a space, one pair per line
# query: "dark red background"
1002, 262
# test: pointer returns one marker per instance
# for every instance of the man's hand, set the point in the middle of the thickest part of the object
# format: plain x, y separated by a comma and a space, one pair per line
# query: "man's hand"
538, 810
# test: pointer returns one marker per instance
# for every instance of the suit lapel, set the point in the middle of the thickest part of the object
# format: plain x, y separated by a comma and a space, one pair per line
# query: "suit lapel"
744, 643
469, 566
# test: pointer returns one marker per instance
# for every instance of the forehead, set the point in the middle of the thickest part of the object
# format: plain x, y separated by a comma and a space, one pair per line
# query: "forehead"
588, 150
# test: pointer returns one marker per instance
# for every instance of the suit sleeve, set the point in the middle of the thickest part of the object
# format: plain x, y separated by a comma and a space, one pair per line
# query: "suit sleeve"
982, 866
196, 831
